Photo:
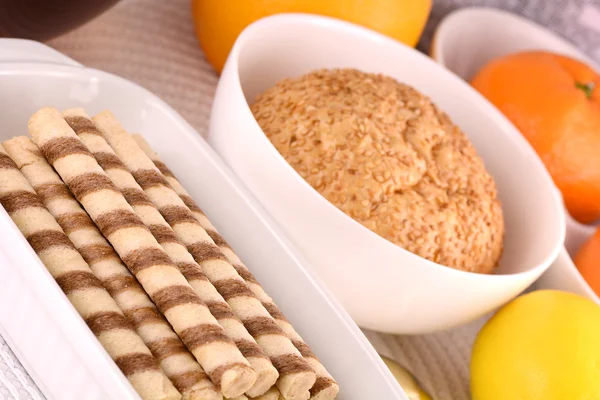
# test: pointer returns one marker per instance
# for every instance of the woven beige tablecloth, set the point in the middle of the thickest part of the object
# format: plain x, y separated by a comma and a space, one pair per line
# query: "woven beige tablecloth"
153, 44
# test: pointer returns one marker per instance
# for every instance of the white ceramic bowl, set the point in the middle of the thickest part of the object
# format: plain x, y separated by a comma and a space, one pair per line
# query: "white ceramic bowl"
469, 38
382, 286
53, 342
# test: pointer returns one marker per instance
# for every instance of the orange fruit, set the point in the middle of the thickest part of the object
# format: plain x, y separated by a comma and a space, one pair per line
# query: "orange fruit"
555, 102
587, 261
219, 22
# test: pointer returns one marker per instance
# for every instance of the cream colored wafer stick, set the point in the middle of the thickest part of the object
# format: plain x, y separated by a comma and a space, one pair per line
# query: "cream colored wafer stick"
296, 376
83, 289
325, 388
272, 394
266, 374
176, 361
141, 253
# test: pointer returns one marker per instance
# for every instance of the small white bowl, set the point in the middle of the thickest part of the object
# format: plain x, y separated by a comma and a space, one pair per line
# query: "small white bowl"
383, 286
469, 38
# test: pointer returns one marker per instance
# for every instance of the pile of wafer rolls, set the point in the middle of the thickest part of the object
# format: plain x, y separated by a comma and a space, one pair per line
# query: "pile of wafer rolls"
161, 289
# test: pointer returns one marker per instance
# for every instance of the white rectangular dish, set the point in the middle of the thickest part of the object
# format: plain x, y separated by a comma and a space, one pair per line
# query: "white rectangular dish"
36, 319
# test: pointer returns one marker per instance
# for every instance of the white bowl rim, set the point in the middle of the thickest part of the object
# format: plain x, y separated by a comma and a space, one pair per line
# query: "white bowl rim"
344, 26
448, 20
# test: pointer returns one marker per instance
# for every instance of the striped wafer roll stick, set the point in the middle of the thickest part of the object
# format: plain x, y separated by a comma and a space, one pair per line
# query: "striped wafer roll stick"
326, 387
266, 373
295, 375
174, 358
82, 287
141, 253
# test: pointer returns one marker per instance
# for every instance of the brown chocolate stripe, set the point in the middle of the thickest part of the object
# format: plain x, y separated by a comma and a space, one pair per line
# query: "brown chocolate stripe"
187, 380
205, 251
6, 162
216, 374
109, 161
78, 280
220, 310
136, 363
250, 349
176, 215
260, 326
173, 296
290, 364
43, 240
120, 283
304, 349
19, 200
166, 347
164, 234
230, 288
89, 183
136, 197
93, 253
107, 321
321, 384
148, 178
51, 191
191, 271
275, 311
217, 238
162, 167
112, 221
60, 147
246, 274
203, 334
82, 125
191, 204
74, 222
145, 316
140, 259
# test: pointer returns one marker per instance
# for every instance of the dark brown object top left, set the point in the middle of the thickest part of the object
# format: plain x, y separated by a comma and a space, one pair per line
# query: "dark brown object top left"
45, 19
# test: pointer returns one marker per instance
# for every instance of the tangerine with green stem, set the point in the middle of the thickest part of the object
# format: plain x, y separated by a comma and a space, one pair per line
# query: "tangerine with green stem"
554, 101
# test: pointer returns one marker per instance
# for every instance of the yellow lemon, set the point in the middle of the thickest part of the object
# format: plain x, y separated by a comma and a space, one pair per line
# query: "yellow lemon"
544, 345
406, 380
